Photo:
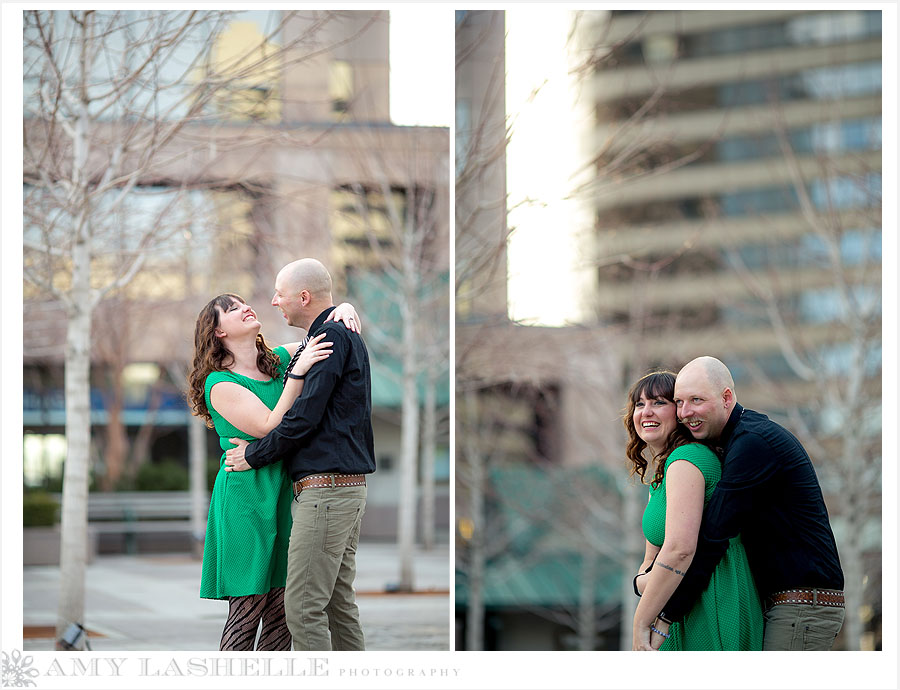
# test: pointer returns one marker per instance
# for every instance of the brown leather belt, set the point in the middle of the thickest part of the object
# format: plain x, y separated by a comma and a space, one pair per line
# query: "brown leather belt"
811, 597
328, 481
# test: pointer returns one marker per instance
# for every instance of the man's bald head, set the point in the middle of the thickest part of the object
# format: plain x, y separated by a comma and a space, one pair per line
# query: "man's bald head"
302, 291
306, 274
715, 372
705, 397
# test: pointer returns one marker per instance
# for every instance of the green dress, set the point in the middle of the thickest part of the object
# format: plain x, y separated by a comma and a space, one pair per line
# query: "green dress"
249, 520
728, 615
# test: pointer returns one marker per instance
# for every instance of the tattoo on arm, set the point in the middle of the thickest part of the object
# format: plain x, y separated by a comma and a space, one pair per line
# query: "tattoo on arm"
669, 567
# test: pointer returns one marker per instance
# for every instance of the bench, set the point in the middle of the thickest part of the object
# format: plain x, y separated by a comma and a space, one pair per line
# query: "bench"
130, 513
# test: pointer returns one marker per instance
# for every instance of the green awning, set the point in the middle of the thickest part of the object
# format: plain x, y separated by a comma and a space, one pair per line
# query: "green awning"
552, 580
541, 514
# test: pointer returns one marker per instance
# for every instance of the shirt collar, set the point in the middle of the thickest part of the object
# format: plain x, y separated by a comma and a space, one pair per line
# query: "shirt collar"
320, 319
730, 426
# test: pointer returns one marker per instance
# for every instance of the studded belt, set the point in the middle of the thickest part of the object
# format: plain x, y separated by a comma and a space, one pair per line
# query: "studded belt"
328, 481
811, 597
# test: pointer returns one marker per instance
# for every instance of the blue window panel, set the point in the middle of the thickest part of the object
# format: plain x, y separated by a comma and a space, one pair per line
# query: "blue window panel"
846, 192
762, 200
857, 247
824, 83
842, 81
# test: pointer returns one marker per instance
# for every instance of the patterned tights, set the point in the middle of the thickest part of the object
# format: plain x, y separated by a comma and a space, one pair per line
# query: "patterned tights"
244, 615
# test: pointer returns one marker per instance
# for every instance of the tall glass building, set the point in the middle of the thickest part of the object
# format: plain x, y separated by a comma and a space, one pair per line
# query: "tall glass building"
737, 206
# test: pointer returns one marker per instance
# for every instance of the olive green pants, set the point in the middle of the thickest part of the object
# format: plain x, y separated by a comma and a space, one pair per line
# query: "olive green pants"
319, 599
801, 627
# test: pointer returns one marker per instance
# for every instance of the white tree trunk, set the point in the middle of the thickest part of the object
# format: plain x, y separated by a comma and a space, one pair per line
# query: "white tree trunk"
631, 516
429, 434
475, 610
199, 494
851, 563
587, 614
855, 493
73, 527
409, 442
855, 511
73, 520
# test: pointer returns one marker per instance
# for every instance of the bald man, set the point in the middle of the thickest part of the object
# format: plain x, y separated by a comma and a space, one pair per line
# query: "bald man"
326, 443
770, 495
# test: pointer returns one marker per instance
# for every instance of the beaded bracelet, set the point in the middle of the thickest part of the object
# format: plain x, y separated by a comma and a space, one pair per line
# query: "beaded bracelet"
659, 632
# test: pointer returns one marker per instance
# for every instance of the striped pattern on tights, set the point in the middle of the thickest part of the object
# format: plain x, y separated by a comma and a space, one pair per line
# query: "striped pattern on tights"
244, 615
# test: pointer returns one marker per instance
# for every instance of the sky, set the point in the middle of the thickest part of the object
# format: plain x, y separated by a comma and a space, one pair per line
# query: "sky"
547, 130
422, 62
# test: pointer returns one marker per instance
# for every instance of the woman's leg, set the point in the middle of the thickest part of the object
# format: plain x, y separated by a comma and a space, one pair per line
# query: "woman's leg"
275, 636
244, 614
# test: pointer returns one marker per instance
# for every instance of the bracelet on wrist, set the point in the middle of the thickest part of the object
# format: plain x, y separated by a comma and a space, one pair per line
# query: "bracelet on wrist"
660, 632
298, 377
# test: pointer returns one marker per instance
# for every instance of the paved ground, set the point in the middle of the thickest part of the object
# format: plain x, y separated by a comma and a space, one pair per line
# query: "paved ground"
151, 603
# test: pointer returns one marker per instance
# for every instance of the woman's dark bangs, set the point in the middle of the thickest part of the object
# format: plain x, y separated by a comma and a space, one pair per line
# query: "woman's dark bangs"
659, 385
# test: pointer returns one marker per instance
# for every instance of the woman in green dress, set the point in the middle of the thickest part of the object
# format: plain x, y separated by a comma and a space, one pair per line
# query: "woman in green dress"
238, 385
682, 476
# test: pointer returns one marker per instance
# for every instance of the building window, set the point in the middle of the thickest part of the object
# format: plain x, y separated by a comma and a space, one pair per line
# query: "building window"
522, 422
736, 40
842, 81
826, 305
661, 48
244, 55
824, 83
366, 222
856, 247
845, 192
43, 458
340, 86
761, 200
200, 240
822, 28
813, 28
862, 134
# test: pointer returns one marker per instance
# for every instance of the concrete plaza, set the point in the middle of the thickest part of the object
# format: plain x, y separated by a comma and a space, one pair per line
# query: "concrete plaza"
151, 602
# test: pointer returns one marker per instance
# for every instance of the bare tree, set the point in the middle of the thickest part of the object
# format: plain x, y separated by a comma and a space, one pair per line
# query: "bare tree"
580, 515
557, 418
402, 215
842, 371
435, 426
111, 100
480, 289
113, 352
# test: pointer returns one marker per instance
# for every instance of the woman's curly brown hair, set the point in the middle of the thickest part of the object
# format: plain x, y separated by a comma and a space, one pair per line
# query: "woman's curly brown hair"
657, 384
211, 355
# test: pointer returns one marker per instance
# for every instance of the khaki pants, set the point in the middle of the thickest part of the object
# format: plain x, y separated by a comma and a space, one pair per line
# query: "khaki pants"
319, 597
801, 627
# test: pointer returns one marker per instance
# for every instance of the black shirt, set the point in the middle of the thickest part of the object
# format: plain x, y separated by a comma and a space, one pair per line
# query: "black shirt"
329, 427
770, 495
